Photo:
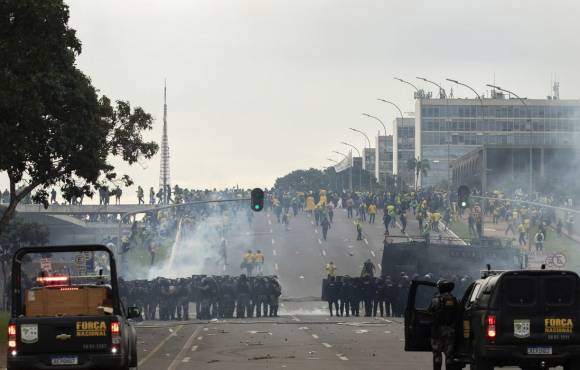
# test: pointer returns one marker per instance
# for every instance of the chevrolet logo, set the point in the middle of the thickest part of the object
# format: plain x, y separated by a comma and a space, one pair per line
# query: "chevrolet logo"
63, 337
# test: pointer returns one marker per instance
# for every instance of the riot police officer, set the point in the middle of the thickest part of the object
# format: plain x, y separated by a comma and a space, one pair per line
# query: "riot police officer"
443, 308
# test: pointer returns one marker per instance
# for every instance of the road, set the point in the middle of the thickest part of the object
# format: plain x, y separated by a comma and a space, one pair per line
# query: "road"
304, 337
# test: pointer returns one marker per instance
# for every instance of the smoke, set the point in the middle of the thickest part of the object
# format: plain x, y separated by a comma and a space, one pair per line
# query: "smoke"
202, 244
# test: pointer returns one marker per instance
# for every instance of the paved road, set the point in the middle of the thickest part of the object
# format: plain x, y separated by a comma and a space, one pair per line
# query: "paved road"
296, 342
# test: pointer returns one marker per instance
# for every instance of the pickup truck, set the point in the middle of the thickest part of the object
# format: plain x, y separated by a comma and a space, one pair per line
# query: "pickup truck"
525, 318
66, 312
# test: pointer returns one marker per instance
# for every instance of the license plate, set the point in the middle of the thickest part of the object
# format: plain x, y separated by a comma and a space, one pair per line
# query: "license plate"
64, 360
539, 350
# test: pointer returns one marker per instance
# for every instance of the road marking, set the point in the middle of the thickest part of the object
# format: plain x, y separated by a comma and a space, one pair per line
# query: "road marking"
373, 253
161, 344
205, 329
324, 253
186, 346
366, 241
314, 336
270, 231
276, 266
343, 358
380, 267
269, 222
294, 318
186, 359
194, 348
199, 338
274, 252
312, 222
319, 241
326, 345
273, 241
316, 231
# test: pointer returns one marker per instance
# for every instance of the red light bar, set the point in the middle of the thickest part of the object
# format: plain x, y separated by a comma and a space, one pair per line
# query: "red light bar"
52, 279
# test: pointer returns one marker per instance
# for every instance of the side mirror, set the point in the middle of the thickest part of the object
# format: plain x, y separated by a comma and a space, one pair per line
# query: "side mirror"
133, 313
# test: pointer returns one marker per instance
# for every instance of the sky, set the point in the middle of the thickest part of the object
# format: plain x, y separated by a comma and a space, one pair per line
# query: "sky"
258, 88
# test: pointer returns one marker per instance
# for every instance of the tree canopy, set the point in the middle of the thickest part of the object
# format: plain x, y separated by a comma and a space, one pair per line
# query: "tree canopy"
55, 128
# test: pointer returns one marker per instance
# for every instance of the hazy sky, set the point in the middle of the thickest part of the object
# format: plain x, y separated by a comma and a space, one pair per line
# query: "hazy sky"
258, 88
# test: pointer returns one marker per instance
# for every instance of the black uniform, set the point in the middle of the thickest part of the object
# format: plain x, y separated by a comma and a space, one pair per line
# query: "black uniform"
444, 307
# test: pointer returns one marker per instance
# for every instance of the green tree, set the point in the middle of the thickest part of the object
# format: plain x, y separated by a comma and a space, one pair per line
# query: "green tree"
55, 128
419, 167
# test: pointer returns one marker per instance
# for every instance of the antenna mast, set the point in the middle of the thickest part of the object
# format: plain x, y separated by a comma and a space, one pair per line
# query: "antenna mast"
164, 178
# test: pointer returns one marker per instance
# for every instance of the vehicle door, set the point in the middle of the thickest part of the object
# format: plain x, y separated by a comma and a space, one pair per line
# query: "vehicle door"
417, 317
464, 331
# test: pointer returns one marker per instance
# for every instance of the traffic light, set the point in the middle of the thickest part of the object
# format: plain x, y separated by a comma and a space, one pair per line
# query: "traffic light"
463, 196
257, 200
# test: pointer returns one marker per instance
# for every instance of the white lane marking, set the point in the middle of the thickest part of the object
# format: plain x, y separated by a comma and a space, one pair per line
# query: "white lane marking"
194, 348
319, 241
274, 252
161, 344
380, 267
324, 253
276, 266
373, 253
186, 359
269, 222
273, 241
205, 329
199, 338
295, 318
312, 222
366, 241
316, 231
343, 358
186, 346
270, 231
314, 336
326, 345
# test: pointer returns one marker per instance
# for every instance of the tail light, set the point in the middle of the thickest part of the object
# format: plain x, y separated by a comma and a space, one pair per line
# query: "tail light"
12, 339
491, 327
115, 336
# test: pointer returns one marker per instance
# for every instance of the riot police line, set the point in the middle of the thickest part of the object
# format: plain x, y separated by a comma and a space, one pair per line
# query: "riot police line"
215, 297
371, 296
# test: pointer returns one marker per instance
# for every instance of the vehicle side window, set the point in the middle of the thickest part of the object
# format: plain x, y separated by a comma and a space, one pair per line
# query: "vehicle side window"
474, 293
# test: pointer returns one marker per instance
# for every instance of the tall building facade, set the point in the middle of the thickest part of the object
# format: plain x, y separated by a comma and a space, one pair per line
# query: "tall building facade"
383, 157
406, 147
447, 129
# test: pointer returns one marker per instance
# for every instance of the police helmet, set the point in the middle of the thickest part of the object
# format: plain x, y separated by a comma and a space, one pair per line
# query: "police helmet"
445, 286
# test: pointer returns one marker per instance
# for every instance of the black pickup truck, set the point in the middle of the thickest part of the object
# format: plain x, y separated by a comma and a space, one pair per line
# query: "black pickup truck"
519, 318
66, 312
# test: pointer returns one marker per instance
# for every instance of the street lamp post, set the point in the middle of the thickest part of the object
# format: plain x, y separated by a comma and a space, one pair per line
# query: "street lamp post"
395, 140
369, 142
378, 142
530, 185
407, 82
349, 169
358, 152
442, 93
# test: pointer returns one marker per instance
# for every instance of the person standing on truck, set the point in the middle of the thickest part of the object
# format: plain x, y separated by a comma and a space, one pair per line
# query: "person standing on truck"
444, 309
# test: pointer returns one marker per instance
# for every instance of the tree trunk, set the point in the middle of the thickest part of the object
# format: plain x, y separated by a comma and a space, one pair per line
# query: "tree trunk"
14, 200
